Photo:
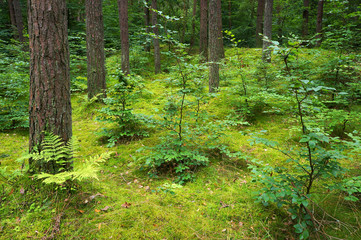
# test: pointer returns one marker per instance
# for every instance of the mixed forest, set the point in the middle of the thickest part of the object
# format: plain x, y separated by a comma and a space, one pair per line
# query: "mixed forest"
180, 119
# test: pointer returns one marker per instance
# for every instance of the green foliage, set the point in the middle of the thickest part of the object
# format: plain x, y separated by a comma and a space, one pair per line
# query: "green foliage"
54, 150
316, 158
14, 86
122, 96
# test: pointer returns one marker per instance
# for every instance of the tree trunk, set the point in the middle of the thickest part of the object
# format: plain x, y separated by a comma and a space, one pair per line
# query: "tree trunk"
267, 30
319, 21
157, 64
185, 16
193, 23
229, 14
260, 10
147, 28
203, 31
305, 16
49, 102
95, 48
124, 35
214, 55
12, 13
220, 29
16, 18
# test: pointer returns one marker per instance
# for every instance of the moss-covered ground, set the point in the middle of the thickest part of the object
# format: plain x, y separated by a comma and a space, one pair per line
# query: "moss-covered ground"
127, 204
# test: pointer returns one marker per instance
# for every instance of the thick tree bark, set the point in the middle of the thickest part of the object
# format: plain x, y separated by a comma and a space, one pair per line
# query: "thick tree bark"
213, 46
305, 16
16, 18
319, 21
49, 103
259, 22
157, 63
95, 48
193, 23
220, 29
124, 35
147, 28
267, 30
203, 31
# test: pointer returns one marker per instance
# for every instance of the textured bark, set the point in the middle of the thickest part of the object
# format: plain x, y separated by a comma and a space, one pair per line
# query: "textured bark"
16, 18
203, 31
49, 103
305, 16
95, 48
220, 29
267, 29
319, 21
157, 64
213, 46
147, 28
259, 22
124, 34
193, 23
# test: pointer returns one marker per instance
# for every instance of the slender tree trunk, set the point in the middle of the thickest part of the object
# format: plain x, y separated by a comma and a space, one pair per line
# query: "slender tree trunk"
157, 63
259, 22
220, 29
95, 48
203, 31
49, 102
319, 21
147, 23
193, 23
305, 16
185, 18
16, 18
12, 13
267, 30
124, 35
229, 14
214, 55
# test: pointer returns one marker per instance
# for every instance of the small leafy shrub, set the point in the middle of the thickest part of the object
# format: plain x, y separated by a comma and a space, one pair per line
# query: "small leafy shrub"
128, 125
316, 159
191, 134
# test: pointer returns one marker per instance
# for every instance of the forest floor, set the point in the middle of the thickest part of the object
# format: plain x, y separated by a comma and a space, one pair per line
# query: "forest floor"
127, 204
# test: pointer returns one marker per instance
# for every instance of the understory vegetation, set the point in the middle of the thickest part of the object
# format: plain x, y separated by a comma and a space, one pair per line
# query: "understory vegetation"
274, 154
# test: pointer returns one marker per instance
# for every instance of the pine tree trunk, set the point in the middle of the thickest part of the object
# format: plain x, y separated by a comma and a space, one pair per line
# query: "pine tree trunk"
203, 31
229, 14
157, 63
49, 103
267, 30
319, 21
305, 16
95, 48
184, 22
124, 35
220, 29
12, 13
147, 28
213, 46
16, 18
259, 23
193, 23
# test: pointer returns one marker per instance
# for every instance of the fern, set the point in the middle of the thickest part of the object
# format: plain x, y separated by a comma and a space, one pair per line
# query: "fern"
53, 149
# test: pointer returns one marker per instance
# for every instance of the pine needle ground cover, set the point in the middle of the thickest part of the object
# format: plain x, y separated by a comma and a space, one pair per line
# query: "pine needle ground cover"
219, 203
